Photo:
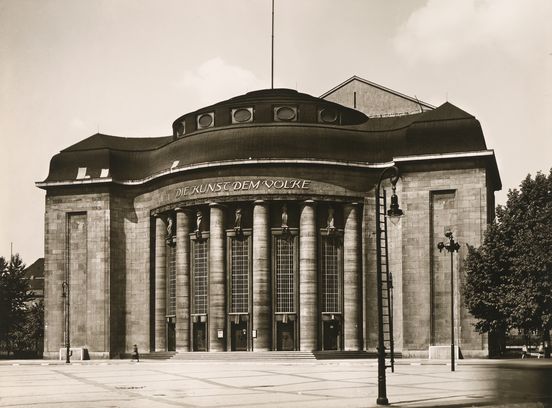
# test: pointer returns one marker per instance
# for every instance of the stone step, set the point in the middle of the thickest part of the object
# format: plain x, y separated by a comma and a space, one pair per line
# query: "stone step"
260, 355
157, 355
339, 354
245, 355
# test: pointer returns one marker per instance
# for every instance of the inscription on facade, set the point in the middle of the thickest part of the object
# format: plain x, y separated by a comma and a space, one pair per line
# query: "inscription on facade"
242, 185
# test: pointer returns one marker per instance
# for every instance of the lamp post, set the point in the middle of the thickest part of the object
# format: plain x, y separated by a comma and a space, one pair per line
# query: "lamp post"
394, 211
451, 246
65, 295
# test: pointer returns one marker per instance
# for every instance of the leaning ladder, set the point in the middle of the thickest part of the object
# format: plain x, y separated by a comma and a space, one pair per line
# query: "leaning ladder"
387, 286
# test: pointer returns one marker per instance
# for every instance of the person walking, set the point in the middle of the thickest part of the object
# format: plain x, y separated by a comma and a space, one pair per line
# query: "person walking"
135, 355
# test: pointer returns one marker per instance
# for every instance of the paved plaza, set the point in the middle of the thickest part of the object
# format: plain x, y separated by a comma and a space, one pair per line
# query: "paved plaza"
339, 383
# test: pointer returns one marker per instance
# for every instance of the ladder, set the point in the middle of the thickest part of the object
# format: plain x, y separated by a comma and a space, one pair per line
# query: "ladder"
386, 283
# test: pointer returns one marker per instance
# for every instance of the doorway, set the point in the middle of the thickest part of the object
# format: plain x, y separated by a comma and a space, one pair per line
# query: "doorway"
331, 335
171, 336
285, 336
200, 336
239, 336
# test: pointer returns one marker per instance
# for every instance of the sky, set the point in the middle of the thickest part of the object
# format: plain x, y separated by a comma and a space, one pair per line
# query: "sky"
71, 68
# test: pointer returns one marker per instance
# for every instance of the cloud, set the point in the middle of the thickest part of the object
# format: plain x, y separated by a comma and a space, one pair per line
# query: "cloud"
78, 123
216, 80
445, 30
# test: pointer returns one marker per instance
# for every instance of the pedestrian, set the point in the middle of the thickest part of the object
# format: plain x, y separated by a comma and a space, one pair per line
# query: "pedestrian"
135, 355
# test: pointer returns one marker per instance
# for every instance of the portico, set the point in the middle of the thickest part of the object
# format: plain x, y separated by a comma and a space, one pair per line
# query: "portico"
258, 275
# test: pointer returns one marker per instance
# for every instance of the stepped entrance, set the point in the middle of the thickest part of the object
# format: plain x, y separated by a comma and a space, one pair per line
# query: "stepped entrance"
285, 336
239, 336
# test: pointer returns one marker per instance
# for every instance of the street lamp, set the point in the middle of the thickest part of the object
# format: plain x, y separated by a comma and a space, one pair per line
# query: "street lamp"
65, 296
451, 246
394, 211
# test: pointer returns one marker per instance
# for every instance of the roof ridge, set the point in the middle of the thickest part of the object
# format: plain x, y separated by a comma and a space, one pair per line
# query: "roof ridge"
383, 88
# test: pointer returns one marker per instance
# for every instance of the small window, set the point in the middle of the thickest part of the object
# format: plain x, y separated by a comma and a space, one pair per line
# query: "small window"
285, 114
242, 115
328, 115
205, 120
180, 129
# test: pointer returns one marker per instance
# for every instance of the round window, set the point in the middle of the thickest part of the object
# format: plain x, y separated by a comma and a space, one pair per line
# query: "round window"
205, 120
242, 115
285, 113
328, 115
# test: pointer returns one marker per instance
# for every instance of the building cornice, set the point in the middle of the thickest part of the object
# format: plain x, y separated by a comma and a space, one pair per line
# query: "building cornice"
225, 163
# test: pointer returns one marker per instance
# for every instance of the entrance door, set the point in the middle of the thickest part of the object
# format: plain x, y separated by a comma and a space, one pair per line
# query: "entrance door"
171, 336
332, 331
200, 336
285, 336
239, 336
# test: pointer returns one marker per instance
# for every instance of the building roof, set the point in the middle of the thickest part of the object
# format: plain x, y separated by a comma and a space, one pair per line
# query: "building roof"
35, 274
309, 129
374, 99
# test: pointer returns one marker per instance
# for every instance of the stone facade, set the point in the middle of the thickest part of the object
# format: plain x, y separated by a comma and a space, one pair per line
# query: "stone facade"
259, 255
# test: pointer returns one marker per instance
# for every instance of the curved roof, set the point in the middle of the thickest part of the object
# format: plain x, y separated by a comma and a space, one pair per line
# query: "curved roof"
317, 131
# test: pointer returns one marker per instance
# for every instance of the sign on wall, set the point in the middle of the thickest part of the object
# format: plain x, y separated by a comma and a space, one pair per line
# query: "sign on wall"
245, 185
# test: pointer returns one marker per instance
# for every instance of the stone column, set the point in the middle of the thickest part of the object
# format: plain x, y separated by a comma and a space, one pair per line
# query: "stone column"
351, 279
217, 279
308, 311
182, 280
160, 285
261, 277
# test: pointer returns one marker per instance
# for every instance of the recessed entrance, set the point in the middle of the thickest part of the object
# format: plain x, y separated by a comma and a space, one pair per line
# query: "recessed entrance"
332, 335
171, 335
200, 336
239, 336
285, 336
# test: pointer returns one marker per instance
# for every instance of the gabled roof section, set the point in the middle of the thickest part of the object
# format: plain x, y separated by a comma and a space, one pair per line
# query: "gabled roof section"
447, 111
373, 99
101, 141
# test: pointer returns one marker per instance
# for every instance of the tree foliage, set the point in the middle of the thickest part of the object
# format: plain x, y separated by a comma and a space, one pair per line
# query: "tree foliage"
15, 295
509, 277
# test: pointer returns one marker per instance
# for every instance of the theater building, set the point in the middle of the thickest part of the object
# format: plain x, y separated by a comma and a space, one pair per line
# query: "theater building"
252, 227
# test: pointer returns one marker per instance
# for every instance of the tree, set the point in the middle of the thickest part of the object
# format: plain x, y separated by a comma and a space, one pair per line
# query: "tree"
28, 337
15, 294
509, 277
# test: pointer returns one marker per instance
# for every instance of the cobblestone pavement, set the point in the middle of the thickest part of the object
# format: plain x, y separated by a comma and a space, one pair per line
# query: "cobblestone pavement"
343, 383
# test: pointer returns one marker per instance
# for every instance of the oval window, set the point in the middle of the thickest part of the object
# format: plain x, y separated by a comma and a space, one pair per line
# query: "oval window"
205, 120
242, 115
328, 115
285, 113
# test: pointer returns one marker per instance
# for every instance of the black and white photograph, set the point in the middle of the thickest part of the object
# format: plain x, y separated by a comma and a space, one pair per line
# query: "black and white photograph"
275, 203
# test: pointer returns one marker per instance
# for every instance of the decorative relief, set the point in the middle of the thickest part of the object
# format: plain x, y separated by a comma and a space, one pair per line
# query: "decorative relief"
237, 222
170, 238
330, 224
199, 225
285, 226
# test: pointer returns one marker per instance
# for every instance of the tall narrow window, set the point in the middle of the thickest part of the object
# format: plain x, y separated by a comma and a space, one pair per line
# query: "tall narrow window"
171, 280
285, 274
239, 269
200, 269
331, 271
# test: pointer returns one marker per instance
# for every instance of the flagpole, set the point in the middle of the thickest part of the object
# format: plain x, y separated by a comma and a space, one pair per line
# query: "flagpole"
272, 56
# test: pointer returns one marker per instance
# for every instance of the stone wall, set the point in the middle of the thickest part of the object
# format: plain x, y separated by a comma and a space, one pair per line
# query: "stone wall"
432, 201
106, 239
77, 242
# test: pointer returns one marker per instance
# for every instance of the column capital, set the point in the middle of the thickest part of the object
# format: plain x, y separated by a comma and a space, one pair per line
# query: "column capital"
309, 202
260, 202
183, 210
354, 204
215, 204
